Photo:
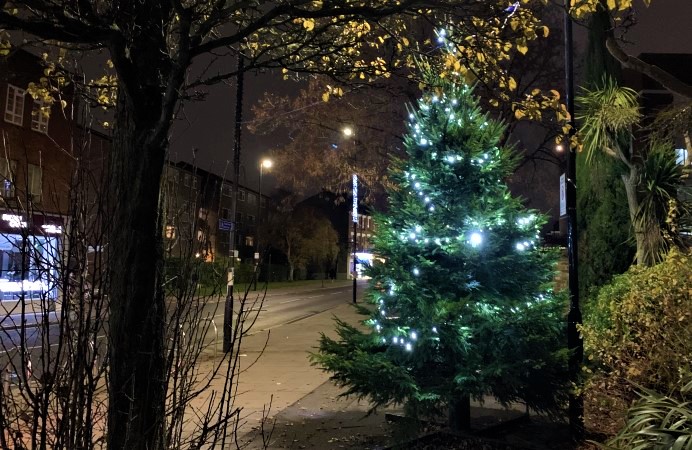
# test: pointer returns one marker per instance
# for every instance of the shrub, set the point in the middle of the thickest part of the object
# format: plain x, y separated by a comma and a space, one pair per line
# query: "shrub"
637, 331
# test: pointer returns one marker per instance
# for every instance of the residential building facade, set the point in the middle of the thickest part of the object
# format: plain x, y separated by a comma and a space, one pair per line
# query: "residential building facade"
40, 144
199, 215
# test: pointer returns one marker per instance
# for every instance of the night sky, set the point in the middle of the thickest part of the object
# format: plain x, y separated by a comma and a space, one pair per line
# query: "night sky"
208, 125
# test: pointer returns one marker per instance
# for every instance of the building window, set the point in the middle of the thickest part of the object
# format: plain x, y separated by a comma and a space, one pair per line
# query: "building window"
239, 218
682, 157
7, 170
14, 107
195, 183
250, 241
251, 198
226, 189
241, 195
39, 116
263, 202
225, 213
35, 182
186, 179
170, 232
250, 218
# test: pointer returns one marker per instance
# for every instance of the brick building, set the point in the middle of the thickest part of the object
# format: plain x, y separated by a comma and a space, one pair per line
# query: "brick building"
39, 147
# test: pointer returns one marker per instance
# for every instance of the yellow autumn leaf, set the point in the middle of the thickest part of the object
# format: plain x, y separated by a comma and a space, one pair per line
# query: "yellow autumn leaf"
523, 48
512, 84
309, 24
494, 102
546, 31
611, 4
519, 114
325, 96
405, 41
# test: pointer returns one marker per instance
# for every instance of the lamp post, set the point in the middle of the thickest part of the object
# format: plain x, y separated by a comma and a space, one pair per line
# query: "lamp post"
574, 317
266, 163
348, 132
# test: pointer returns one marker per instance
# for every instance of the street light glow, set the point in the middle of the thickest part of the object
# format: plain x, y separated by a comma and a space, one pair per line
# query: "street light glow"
267, 163
348, 131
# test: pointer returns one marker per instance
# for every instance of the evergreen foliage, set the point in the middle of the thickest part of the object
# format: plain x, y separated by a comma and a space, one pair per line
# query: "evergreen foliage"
462, 306
606, 246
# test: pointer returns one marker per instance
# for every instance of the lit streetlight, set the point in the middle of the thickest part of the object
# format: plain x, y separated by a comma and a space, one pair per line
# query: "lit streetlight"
265, 163
348, 132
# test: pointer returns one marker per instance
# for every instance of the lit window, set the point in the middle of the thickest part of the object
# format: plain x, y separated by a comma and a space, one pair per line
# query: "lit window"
682, 157
39, 116
35, 182
7, 170
250, 241
170, 232
14, 107
241, 195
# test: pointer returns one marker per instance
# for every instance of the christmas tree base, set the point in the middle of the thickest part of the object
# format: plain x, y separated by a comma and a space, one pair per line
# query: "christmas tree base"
486, 426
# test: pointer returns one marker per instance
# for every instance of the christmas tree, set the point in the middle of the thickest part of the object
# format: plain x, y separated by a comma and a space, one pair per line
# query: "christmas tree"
462, 306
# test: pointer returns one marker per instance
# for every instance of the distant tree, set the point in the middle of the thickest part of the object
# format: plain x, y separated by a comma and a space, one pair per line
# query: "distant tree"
303, 235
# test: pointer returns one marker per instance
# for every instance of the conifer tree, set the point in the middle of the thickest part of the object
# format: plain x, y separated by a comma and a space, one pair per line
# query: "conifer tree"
462, 306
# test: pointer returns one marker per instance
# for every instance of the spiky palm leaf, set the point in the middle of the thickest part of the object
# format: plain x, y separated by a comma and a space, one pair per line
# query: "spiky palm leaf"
607, 115
657, 422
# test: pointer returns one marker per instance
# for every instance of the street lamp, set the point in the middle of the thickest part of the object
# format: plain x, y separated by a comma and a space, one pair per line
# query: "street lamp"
266, 163
348, 132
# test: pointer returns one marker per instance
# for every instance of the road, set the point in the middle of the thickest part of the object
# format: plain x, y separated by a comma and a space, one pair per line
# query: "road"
278, 308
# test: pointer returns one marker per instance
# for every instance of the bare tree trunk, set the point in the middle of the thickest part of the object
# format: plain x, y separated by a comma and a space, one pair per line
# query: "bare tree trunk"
460, 414
639, 227
137, 309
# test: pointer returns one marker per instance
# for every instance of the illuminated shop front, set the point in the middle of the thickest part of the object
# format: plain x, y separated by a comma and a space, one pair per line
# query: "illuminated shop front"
29, 255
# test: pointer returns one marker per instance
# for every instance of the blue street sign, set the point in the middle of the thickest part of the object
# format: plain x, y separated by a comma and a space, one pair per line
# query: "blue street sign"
225, 225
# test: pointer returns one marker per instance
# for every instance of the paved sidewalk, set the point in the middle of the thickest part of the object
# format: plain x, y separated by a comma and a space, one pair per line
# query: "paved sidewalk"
306, 411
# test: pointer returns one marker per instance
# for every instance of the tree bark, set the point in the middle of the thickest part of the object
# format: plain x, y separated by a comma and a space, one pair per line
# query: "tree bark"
666, 79
460, 414
630, 180
137, 383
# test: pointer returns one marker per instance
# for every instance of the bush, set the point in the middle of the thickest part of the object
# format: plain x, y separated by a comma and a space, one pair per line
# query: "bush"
637, 331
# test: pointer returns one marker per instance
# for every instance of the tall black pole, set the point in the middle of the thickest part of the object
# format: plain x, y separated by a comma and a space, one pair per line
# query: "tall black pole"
355, 242
574, 341
228, 307
258, 222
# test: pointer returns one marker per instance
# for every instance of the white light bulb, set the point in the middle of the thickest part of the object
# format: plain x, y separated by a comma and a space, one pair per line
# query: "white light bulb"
434, 329
416, 271
476, 239
426, 199
412, 235
414, 336
408, 347
432, 208
395, 340
520, 246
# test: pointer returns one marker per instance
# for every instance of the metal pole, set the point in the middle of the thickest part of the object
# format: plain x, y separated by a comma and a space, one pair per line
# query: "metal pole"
228, 307
257, 224
355, 225
574, 341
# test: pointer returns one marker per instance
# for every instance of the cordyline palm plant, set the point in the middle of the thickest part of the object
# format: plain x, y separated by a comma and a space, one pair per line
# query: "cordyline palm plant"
657, 421
609, 115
